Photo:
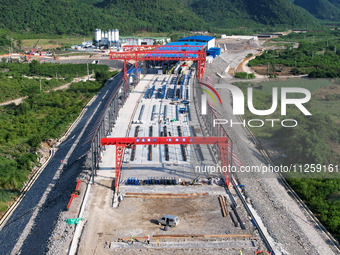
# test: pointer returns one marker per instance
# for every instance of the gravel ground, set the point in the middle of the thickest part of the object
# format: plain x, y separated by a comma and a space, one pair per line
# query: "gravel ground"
288, 224
137, 216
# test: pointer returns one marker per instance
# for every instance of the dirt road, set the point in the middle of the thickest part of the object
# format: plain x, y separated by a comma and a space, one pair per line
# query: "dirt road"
19, 100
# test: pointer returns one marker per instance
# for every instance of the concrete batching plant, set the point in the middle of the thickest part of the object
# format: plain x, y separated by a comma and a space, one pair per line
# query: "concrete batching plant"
108, 38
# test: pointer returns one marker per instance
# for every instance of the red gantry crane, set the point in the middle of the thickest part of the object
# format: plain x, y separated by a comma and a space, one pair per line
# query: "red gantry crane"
162, 53
122, 142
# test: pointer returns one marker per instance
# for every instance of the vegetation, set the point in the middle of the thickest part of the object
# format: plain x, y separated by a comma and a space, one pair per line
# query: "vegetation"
23, 127
5, 41
318, 193
321, 9
49, 69
227, 13
14, 85
308, 143
82, 17
318, 55
244, 75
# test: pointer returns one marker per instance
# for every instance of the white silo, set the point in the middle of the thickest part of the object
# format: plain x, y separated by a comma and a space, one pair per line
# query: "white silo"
97, 35
109, 36
113, 36
96, 39
103, 35
106, 35
116, 37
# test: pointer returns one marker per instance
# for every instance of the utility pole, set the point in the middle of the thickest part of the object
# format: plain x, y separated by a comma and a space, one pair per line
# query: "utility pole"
40, 84
88, 74
268, 69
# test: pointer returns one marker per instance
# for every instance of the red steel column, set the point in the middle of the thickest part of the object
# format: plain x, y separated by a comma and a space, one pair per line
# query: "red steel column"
125, 69
119, 160
225, 162
125, 76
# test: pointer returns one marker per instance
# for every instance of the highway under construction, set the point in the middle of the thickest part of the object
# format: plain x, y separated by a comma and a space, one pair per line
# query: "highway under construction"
145, 136
147, 169
158, 179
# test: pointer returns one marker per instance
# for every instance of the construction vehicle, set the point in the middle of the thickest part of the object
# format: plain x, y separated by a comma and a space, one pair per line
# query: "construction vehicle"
169, 220
29, 56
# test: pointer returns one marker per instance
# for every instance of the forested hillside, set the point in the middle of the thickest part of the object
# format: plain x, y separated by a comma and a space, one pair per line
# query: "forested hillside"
162, 15
82, 17
322, 9
228, 13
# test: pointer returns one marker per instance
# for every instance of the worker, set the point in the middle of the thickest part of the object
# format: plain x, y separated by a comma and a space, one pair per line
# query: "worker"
148, 239
241, 253
132, 239
158, 243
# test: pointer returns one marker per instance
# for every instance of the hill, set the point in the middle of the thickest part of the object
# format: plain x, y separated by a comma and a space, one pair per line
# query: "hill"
231, 13
151, 15
83, 16
322, 9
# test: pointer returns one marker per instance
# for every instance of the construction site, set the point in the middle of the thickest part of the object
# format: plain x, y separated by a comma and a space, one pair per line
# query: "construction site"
160, 179
148, 193
142, 180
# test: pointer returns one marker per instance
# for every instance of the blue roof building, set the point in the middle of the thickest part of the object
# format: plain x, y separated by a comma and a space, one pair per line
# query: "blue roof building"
181, 43
209, 40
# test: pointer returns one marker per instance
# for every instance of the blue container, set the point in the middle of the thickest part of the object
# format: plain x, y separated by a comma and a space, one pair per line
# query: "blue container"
216, 50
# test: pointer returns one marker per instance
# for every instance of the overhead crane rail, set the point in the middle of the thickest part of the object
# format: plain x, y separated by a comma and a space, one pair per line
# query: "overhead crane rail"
184, 154
133, 153
165, 134
150, 146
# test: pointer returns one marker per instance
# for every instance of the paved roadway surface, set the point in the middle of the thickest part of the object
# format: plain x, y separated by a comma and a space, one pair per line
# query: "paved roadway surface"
30, 225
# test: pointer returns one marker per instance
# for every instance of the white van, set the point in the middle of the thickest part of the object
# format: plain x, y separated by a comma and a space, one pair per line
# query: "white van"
169, 220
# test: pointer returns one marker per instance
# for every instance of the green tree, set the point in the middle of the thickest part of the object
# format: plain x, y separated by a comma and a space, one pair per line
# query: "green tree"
34, 67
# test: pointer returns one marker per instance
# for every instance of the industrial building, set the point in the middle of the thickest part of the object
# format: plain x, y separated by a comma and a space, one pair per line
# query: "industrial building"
136, 40
111, 38
241, 37
208, 40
